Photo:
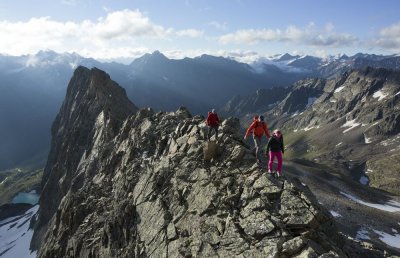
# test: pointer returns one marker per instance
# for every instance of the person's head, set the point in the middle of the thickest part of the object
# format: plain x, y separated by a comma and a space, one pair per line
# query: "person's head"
255, 117
213, 111
277, 133
261, 118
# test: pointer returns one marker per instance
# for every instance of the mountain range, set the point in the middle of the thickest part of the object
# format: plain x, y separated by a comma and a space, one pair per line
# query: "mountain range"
127, 182
352, 119
130, 181
33, 87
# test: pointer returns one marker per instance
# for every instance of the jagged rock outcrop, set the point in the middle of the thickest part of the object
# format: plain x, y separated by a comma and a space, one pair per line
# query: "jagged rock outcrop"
258, 102
93, 101
301, 95
123, 184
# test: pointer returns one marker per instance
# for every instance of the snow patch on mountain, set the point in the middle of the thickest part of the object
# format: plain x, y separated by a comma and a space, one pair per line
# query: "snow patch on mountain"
352, 124
364, 180
389, 239
308, 128
391, 141
362, 234
335, 214
15, 235
367, 140
391, 206
339, 89
380, 95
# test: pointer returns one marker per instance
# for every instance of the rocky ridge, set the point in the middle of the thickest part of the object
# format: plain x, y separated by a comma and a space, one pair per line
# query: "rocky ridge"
261, 100
121, 183
353, 119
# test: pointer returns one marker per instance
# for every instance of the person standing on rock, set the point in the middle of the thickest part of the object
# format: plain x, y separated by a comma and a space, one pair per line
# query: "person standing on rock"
275, 149
213, 124
258, 127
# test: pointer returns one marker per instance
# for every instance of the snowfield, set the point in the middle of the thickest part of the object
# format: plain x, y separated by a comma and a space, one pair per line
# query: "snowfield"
15, 236
391, 206
389, 239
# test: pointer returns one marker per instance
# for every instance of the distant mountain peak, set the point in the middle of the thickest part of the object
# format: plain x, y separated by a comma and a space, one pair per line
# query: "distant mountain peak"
287, 57
158, 54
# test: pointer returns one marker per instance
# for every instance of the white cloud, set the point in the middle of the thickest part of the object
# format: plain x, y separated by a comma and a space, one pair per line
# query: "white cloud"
309, 35
116, 31
126, 24
239, 55
115, 52
389, 38
191, 33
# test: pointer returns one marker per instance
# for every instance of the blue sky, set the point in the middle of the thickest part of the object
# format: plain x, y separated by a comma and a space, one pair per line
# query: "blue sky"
115, 29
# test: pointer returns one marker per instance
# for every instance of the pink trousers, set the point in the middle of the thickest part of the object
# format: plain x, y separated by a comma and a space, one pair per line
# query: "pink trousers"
278, 155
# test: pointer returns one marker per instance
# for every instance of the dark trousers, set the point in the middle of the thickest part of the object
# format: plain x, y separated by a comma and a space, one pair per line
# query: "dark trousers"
211, 129
257, 144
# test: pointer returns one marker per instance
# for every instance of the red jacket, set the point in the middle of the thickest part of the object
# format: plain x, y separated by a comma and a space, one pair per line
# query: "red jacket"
212, 119
258, 128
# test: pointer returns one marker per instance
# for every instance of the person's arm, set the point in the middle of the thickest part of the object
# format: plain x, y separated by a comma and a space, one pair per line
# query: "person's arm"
266, 130
268, 146
250, 129
282, 146
208, 119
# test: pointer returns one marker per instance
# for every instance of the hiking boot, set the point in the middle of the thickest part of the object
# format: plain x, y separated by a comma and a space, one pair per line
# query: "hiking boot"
278, 174
269, 171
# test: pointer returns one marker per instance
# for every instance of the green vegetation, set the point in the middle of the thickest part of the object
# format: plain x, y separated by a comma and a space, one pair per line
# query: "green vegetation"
18, 180
384, 173
299, 146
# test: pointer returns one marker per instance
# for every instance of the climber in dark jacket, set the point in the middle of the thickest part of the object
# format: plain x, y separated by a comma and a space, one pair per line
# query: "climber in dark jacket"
275, 149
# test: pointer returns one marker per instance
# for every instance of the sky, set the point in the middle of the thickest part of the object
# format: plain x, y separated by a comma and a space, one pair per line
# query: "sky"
244, 29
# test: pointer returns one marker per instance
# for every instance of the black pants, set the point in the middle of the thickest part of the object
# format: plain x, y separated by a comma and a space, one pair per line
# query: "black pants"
210, 130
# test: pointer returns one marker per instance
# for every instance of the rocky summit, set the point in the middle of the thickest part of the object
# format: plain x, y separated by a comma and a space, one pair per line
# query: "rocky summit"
123, 182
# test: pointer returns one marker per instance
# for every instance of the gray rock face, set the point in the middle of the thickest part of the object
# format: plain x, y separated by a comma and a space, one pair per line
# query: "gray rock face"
92, 101
367, 96
119, 184
258, 102
354, 117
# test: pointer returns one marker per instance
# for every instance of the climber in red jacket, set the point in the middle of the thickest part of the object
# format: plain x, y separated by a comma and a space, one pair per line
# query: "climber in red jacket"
258, 127
213, 124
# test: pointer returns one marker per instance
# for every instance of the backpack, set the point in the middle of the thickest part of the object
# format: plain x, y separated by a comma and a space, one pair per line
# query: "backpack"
259, 128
